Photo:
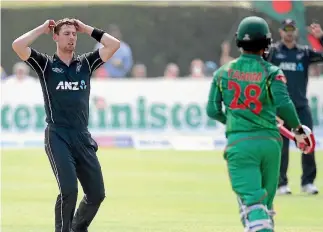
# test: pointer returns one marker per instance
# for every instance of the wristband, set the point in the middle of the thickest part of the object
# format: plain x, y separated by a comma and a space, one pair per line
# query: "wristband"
97, 34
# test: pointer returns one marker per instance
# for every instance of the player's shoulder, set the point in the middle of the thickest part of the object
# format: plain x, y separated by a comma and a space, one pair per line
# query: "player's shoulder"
272, 49
36, 52
88, 55
274, 46
302, 47
84, 57
224, 69
39, 60
51, 58
271, 69
230, 64
276, 73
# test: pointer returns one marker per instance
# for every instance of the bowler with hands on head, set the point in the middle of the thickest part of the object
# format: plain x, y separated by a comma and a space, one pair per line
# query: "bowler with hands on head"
65, 82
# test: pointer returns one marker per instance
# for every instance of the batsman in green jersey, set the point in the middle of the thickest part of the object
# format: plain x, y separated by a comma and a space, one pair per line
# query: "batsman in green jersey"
252, 90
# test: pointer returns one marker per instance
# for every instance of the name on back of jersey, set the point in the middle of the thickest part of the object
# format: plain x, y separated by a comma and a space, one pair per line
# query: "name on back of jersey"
245, 76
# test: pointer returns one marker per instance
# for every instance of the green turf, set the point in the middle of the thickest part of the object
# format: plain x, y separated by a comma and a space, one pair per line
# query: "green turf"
149, 191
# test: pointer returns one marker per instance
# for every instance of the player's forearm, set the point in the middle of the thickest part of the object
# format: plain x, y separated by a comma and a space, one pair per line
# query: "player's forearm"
106, 40
288, 113
284, 105
214, 105
28, 38
109, 41
88, 29
215, 113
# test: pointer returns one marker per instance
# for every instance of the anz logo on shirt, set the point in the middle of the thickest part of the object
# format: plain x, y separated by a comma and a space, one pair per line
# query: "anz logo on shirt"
291, 66
68, 85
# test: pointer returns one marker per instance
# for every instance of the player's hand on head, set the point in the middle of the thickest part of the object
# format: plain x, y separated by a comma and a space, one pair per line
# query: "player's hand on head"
49, 26
316, 30
304, 139
80, 26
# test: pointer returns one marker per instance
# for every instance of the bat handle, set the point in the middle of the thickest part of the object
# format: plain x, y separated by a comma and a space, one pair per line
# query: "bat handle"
285, 132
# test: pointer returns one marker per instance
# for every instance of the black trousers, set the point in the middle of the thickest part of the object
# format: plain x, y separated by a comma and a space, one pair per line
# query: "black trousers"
72, 155
308, 161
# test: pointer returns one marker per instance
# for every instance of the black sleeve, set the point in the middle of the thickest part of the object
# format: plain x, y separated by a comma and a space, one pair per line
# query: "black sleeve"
315, 56
94, 60
37, 61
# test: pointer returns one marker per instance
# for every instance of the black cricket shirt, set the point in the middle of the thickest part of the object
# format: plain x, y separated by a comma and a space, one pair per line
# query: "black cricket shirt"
294, 63
66, 89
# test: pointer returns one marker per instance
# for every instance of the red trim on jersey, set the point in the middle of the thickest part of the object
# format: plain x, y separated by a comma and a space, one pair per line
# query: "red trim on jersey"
281, 78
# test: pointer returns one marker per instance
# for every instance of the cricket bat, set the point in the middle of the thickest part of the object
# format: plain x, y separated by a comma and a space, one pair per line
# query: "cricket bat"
310, 147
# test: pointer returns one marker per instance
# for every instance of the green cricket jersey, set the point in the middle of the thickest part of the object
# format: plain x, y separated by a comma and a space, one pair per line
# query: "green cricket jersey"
252, 90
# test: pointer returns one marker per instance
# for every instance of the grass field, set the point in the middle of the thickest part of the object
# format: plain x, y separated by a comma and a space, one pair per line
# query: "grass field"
149, 191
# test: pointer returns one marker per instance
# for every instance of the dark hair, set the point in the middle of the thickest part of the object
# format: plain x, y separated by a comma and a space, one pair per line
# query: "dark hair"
62, 22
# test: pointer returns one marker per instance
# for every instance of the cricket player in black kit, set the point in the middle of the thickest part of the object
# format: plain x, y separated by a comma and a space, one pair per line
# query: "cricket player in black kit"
294, 60
65, 82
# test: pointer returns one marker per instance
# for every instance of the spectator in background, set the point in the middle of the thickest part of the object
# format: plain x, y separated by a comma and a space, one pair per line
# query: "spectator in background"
3, 74
121, 62
225, 53
99, 102
197, 68
20, 74
101, 73
209, 68
139, 71
171, 71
